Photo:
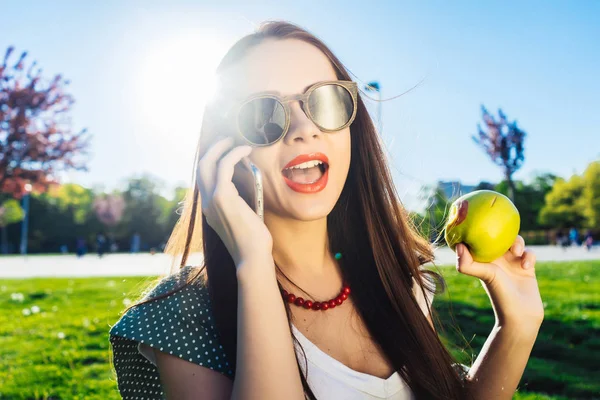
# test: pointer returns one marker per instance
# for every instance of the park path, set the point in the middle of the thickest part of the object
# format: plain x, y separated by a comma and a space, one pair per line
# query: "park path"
159, 264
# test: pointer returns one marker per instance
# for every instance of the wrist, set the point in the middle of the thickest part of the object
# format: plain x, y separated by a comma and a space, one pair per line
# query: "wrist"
524, 330
259, 269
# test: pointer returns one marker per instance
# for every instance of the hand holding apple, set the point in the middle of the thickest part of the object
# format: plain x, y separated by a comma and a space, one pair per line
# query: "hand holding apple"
486, 221
482, 229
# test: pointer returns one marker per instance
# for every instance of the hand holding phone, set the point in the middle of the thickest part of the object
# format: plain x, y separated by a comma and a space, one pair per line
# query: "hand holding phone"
246, 237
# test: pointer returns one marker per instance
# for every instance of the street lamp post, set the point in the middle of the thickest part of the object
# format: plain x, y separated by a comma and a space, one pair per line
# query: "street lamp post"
376, 87
25, 219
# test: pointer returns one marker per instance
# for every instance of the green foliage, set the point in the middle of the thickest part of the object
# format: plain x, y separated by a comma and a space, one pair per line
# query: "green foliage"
576, 202
146, 211
529, 198
72, 198
10, 213
66, 212
37, 361
591, 195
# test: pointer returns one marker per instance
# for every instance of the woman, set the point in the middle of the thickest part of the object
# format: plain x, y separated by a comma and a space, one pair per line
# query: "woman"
326, 299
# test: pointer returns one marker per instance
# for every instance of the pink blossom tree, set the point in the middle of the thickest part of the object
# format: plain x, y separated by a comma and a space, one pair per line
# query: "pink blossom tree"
36, 139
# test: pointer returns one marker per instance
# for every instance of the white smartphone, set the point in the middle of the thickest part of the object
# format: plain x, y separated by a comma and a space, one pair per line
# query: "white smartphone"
258, 187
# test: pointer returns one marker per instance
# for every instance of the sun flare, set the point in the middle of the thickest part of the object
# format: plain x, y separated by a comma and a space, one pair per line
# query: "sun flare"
175, 80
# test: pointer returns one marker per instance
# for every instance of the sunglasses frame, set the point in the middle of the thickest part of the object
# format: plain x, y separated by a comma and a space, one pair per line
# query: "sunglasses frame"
350, 86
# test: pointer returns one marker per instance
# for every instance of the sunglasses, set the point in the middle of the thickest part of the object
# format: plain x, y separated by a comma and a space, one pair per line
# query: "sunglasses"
264, 119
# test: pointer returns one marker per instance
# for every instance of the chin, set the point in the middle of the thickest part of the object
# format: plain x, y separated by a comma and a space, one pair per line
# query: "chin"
310, 211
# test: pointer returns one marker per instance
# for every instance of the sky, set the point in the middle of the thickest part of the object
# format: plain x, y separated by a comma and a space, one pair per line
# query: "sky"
141, 71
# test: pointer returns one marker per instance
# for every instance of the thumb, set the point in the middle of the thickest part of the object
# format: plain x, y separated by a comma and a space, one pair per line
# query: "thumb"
467, 266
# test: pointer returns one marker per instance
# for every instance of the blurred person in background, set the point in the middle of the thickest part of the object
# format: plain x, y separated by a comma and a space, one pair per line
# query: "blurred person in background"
589, 240
135, 243
101, 244
574, 237
328, 297
80, 247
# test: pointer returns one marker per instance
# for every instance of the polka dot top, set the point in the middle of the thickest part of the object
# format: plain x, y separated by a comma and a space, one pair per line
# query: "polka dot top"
180, 324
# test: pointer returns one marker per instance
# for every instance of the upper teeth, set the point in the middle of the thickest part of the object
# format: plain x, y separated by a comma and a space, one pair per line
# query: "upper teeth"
308, 164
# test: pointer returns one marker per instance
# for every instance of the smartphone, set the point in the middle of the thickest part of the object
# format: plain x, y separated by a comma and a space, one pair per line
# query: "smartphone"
258, 187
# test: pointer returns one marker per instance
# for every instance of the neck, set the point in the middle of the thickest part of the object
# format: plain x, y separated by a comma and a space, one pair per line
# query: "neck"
301, 248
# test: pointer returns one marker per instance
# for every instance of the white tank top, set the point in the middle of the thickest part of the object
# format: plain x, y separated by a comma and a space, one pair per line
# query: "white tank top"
330, 379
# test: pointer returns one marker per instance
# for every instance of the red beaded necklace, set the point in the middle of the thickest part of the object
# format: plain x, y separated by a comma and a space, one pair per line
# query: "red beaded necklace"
318, 305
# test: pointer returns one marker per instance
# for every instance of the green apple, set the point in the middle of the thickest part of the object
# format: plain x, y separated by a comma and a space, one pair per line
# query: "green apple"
487, 222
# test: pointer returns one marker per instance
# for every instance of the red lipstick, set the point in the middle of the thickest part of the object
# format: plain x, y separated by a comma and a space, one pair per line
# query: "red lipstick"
313, 187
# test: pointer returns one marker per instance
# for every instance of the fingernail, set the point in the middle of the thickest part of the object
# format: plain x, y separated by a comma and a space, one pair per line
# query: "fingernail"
519, 250
527, 264
459, 250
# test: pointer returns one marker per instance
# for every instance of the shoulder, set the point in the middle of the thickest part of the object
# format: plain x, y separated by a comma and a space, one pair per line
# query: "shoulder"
170, 302
174, 317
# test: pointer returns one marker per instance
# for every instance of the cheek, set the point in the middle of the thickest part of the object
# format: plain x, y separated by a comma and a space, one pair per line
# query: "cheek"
264, 158
342, 150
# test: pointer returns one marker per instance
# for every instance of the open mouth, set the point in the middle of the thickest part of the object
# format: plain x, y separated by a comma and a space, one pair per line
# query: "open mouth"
306, 173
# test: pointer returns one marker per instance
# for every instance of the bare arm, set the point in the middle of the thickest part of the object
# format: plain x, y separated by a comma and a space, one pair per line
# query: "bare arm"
183, 380
266, 363
501, 362
511, 285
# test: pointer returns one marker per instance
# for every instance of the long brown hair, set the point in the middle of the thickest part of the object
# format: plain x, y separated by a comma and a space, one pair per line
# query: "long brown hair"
379, 265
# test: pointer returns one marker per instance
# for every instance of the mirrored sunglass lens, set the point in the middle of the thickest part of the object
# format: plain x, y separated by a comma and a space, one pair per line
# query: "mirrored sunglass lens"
262, 121
331, 106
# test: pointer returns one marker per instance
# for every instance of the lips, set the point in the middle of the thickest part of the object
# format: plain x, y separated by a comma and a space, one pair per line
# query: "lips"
307, 173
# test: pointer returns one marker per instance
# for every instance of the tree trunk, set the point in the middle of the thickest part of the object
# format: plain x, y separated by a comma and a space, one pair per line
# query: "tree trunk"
4, 241
511, 187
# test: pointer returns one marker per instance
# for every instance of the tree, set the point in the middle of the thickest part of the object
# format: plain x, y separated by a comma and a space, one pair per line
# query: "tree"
109, 208
576, 202
530, 198
591, 195
503, 143
485, 185
10, 213
75, 198
36, 140
146, 211
563, 207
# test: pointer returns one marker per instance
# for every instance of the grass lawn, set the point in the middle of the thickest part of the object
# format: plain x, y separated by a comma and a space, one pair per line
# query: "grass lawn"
54, 342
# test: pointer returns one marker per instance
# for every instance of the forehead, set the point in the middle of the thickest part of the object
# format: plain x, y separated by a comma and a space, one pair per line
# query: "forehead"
286, 66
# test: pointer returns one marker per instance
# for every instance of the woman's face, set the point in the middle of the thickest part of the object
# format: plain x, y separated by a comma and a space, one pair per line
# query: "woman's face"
289, 67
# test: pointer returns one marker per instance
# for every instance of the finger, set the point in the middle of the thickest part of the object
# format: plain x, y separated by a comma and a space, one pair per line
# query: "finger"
518, 246
207, 165
227, 164
466, 265
216, 150
528, 260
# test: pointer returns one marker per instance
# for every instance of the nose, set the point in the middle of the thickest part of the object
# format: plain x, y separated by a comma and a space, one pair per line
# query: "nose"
301, 127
